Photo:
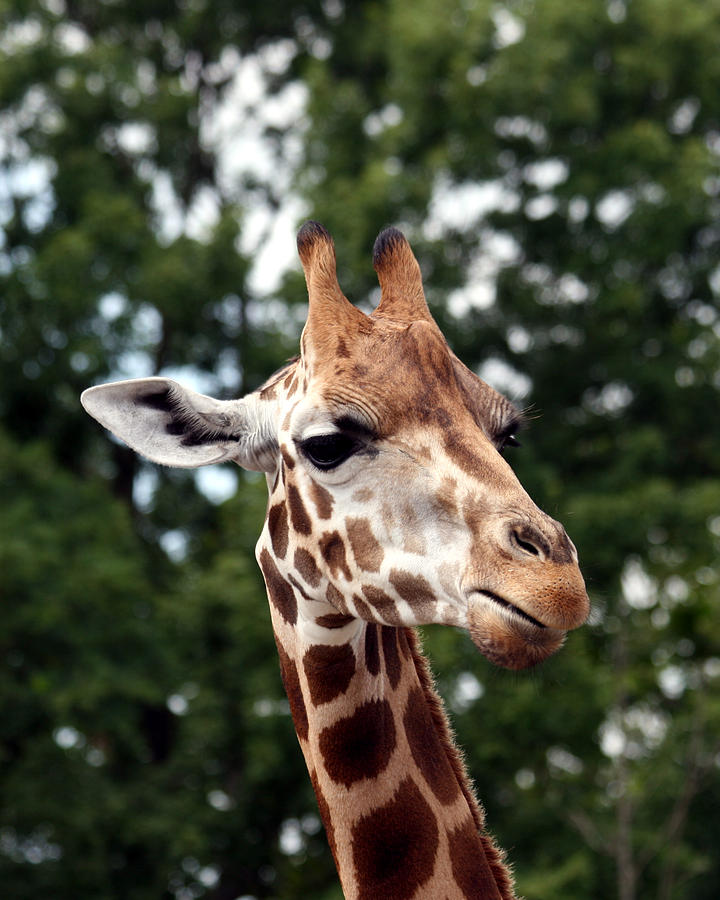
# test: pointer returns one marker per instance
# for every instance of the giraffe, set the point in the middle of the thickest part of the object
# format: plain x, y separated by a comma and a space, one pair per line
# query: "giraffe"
390, 506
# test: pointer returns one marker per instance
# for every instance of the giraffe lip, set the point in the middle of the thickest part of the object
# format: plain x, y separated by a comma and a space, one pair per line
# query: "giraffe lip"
510, 607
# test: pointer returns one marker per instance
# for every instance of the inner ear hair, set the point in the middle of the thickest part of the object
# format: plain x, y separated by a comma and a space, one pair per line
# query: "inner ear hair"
196, 427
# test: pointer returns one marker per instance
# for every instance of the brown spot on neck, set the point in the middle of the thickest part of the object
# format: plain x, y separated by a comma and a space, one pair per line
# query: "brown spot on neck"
372, 652
394, 847
471, 869
329, 669
361, 745
291, 681
393, 666
430, 756
325, 815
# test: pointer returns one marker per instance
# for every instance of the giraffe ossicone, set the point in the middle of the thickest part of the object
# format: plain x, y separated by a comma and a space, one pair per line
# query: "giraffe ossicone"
390, 506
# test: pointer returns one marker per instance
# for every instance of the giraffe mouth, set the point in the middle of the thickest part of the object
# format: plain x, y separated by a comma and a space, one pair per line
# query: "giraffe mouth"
506, 634
510, 607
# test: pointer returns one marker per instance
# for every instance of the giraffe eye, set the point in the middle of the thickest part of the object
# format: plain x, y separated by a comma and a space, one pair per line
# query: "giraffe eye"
508, 441
326, 451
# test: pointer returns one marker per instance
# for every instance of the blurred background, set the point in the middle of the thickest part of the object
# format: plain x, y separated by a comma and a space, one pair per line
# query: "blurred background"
556, 167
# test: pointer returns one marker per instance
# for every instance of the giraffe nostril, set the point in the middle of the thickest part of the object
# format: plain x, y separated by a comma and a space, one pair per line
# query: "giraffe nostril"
528, 542
526, 545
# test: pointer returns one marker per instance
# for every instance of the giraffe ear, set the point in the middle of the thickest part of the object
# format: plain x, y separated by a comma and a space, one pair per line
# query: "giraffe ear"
175, 426
401, 291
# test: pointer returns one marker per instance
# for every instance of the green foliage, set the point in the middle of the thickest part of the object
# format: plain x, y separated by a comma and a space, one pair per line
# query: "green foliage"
556, 168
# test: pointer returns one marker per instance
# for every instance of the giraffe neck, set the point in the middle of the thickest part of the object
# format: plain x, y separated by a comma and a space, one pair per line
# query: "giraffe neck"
400, 817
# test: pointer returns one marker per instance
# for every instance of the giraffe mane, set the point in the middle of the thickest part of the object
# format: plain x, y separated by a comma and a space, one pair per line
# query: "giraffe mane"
495, 856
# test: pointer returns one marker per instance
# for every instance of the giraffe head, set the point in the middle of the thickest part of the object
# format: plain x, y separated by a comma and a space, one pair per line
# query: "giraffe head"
390, 499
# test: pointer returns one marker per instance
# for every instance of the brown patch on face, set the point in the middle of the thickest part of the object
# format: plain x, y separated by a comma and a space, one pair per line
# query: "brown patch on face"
385, 605
458, 450
363, 495
276, 481
332, 548
325, 815
446, 577
270, 392
361, 745
469, 863
285, 453
291, 681
342, 349
391, 655
278, 529
394, 847
388, 516
334, 620
333, 596
427, 750
323, 500
299, 588
414, 589
298, 514
367, 551
372, 654
475, 514
279, 591
329, 669
307, 567
290, 384
363, 610
446, 498
414, 543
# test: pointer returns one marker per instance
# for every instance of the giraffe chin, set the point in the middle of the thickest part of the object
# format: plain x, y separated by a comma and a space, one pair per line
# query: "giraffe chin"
506, 637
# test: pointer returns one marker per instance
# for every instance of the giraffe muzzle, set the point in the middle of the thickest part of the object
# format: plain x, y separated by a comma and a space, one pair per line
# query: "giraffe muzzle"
521, 619
508, 636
